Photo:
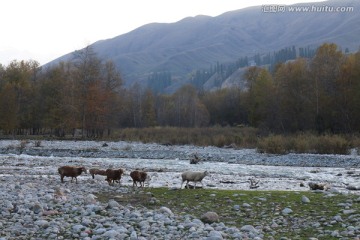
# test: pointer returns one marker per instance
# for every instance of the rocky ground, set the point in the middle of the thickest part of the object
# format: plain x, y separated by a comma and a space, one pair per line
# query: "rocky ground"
35, 205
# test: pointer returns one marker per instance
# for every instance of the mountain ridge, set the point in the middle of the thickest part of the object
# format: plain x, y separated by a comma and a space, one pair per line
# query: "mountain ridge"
198, 42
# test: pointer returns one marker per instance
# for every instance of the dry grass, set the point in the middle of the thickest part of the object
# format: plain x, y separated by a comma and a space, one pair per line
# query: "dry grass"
272, 144
305, 143
236, 137
216, 136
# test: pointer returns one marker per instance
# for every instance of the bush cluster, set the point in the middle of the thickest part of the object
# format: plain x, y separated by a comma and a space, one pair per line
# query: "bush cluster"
215, 136
306, 143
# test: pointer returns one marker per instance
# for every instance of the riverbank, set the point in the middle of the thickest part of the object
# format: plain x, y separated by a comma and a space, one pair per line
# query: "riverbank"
35, 205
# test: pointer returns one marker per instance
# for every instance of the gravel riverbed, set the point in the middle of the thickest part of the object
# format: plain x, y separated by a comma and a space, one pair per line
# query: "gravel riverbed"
35, 205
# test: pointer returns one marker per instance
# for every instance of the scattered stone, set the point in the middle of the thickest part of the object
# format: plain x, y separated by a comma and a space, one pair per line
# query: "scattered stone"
214, 235
349, 211
338, 218
318, 186
50, 212
35, 205
353, 187
37, 208
286, 211
113, 204
133, 236
42, 223
166, 210
236, 207
210, 217
246, 205
248, 228
305, 199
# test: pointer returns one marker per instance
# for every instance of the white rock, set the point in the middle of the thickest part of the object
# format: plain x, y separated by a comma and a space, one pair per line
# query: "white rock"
78, 228
42, 223
166, 210
248, 228
215, 235
338, 218
110, 234
348, 212
305, 199
133, 236
113, 204
99, 231
246, 205
286, 211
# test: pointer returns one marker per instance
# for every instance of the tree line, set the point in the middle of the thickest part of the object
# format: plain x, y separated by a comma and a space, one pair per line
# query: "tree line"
86, 96
318, 94
270, 59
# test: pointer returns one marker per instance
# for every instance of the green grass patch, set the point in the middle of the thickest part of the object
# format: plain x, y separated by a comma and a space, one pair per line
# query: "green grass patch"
265, 208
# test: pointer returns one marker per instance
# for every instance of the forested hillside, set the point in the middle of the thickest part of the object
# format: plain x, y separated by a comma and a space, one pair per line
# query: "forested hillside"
321, 94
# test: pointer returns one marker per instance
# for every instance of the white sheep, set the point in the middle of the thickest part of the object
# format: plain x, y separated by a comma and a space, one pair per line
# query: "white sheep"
195, 177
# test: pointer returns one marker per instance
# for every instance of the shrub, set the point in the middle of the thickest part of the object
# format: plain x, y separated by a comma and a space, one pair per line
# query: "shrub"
215, 136
272, 144
304, 143
332, 145
355, 143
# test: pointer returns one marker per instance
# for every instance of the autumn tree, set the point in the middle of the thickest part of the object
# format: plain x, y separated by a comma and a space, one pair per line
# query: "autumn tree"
57, 93
325, 69
17, 95
165, 110
86, 74
83, 93
225, 106
181, 109
347, 103
251, 74
189, 111
102, 100
294, 96
135, 95
8, 109
97, 86
149, 111
113, 85
260, 101
2, 74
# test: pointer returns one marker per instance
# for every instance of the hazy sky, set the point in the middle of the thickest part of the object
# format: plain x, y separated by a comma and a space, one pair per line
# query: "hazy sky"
43, 30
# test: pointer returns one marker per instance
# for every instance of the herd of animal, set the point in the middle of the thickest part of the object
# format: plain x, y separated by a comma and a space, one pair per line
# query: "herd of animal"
137, 176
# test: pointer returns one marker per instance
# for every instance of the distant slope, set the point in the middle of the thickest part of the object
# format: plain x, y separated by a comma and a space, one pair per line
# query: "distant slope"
197, 42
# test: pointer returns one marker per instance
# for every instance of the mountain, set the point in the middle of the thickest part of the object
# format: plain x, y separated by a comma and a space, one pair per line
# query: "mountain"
198, 42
